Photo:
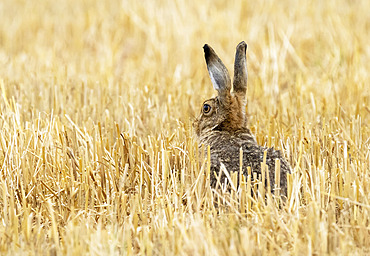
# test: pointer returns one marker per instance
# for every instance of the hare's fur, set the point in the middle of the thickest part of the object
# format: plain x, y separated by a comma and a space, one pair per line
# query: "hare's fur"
223, 126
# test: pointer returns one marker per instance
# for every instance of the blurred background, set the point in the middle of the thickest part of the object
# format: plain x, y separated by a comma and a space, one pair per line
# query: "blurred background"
141, 62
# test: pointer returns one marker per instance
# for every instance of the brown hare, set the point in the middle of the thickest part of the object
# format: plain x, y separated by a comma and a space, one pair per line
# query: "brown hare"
222, 124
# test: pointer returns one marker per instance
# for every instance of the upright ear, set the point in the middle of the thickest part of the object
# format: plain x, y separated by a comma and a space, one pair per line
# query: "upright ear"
217, 71
240, 71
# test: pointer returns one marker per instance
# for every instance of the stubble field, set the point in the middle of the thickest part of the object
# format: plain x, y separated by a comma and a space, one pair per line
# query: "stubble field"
97, 152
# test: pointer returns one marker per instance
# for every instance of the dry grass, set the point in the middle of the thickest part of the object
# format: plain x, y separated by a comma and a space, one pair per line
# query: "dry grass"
97, 155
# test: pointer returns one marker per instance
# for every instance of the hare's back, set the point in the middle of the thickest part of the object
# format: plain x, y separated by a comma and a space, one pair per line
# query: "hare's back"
227, 151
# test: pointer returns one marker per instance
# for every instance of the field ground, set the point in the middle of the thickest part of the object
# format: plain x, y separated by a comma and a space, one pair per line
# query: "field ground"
97, 153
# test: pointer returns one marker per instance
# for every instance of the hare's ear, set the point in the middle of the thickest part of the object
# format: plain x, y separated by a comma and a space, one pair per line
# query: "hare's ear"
217, 71
240, 70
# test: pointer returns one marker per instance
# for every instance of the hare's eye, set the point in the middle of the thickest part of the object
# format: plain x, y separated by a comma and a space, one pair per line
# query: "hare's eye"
206, 108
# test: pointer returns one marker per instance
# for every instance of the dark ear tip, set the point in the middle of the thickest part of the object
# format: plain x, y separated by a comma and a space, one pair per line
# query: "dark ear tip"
207, 50
242, 45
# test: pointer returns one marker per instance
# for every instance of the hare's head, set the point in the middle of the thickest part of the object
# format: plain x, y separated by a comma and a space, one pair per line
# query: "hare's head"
226, 112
